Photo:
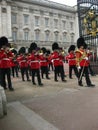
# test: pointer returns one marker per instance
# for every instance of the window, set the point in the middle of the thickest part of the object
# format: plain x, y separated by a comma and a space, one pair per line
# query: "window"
36, 21
26, 36
64, 37
46, 36
37, 36
26, 19
56, 37
14, 18
46, 22
64, 24
71, 25
14, 35
72, 39
55, 23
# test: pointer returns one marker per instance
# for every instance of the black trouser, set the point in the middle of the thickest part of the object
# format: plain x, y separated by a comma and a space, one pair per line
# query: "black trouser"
90, 70
0, 76
23, 72
14, 70
84, 71
56, 72
61, 72
4, 72
73, 67
50, 65
44, 70
36, 72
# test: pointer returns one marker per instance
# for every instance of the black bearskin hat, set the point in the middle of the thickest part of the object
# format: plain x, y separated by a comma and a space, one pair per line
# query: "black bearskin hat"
14, 51
3, 41
43, 49
22, 50
80, 42
33, 46
85, 46
71, 48
55, 46
48, 51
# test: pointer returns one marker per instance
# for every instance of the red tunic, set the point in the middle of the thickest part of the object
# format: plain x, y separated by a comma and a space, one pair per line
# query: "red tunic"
71, 57
34, 61
5, 59
22, 60
81, 56
55, 58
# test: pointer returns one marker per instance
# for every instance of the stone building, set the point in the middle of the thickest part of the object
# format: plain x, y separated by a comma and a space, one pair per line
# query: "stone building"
42, 21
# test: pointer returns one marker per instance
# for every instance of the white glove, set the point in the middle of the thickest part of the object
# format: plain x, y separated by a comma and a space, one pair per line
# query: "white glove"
79, 67
86, 58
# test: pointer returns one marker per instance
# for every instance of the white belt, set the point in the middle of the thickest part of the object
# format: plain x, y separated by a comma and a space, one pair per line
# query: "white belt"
43, 61
5, 59
34, 61
23, 61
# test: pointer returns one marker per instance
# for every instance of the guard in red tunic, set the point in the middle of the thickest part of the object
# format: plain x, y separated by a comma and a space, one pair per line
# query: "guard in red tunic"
34, 61
57, 62
5, 56
14, 64
82, 62
44, 63
23, 64
71, 57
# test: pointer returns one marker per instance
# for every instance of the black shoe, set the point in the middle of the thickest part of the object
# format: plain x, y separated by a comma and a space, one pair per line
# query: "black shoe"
48, 78
56, 80
34, 83
80, 84
40, 84
11, 89
28, 80
71, 78
64, 80
91, 85
5, 88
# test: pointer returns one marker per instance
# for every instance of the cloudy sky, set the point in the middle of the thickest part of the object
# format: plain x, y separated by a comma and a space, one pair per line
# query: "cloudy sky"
66, 2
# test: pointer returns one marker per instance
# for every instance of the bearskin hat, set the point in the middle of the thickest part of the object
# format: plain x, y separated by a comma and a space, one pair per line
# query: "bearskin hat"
14, 51
71, 48
80, 42
43, 49
33, 46
48, 51
22, 50
3, 41
85, 46
55, 46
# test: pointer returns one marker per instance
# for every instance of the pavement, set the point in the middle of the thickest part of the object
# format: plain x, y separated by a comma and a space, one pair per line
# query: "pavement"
55, 106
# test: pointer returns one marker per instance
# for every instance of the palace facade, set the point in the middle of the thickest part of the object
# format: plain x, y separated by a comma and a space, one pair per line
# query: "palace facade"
42, 21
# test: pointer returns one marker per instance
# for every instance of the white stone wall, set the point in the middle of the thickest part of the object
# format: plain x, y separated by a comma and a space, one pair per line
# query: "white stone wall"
55, 11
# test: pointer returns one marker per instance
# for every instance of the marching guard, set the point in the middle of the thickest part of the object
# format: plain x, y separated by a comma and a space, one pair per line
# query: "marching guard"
71, 58
34, 62
82, 62
5, 66
23, 64
57, 62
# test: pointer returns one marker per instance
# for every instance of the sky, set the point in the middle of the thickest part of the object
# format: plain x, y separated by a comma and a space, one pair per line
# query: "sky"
66, 2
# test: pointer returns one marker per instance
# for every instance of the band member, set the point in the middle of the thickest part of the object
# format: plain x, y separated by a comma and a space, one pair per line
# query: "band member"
61, 64
14, 63
22, 60
71, 57
5, 56
82, 62
34, 61
44, 63
56, 60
